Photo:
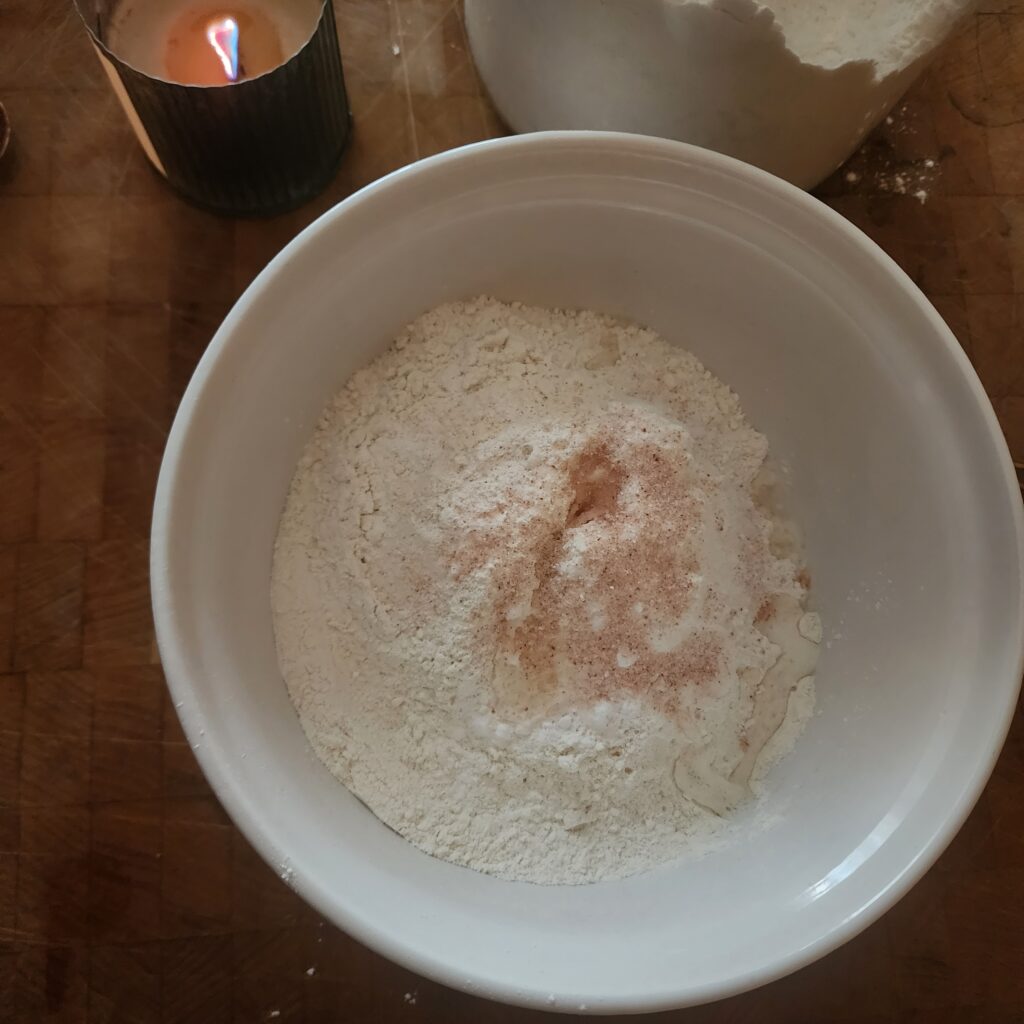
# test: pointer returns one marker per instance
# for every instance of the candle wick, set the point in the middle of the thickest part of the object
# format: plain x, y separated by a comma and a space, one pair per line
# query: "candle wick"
222, 35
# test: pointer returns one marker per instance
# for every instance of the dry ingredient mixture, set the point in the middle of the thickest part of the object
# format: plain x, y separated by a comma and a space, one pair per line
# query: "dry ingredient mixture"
529, 600
830, 33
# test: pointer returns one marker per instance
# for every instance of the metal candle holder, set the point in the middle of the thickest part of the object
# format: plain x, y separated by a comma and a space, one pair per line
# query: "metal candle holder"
255, 147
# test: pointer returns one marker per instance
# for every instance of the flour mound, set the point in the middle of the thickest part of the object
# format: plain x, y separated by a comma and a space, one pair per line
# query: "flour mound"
831, 33
527, 602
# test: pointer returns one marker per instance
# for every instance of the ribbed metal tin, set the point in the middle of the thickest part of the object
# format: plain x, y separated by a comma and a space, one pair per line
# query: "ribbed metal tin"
256, 147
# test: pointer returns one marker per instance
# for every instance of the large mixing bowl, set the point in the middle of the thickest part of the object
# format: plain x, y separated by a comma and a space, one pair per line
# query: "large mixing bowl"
900, 478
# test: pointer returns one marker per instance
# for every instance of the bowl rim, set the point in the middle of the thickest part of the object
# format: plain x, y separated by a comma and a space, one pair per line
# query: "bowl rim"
247, 818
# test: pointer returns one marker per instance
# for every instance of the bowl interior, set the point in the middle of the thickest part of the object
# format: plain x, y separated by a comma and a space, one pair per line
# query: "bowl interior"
898, 476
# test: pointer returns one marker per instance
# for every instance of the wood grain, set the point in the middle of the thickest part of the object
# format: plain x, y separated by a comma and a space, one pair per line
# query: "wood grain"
125, 893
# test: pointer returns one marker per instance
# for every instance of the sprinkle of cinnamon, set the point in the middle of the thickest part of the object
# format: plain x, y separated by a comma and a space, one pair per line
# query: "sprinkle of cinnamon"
576, 638
595, 480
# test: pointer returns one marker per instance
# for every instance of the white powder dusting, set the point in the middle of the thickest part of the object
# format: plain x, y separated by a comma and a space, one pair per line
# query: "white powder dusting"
887, 173
528, 601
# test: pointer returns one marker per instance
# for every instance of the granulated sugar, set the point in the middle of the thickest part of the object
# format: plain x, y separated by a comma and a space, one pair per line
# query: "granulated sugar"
528, 602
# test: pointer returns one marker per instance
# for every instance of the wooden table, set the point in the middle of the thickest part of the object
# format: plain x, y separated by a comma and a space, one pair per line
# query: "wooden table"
125, 893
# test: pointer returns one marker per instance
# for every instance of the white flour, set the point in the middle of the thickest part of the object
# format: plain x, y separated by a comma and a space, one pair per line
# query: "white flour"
830, 33
525, 603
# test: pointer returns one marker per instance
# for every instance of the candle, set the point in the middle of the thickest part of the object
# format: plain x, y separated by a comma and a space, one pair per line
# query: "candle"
239, 104
209, 43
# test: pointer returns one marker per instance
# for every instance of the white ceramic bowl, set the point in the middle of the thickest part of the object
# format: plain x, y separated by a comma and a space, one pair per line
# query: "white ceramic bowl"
899, 474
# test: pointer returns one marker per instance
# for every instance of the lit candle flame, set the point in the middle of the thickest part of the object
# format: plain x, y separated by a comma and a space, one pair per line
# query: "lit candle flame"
222, 34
